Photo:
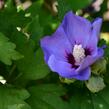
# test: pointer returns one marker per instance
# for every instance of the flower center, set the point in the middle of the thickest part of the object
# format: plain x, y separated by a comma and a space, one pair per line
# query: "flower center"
78, 54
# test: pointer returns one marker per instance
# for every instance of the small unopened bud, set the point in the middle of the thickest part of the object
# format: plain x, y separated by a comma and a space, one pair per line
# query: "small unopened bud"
95, 84
99, 67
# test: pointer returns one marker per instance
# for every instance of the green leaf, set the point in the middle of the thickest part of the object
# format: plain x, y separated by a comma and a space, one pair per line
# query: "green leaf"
9, 5
101, 100
81, 99
63, 8
12, 98
7, 51
34, 29
78, 4
34, 9
32, 66
47, 97
68, 5
38, 13
84, 99
10, 19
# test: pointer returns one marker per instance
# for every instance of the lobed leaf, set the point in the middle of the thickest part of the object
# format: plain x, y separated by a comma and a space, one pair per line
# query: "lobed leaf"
47, 96
7, 51
12, 98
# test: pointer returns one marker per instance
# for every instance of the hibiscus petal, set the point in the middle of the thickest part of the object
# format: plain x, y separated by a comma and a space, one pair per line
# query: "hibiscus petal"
57, 44
93, 40
89, 60
64, 69
77, 28
84, 74
97, 26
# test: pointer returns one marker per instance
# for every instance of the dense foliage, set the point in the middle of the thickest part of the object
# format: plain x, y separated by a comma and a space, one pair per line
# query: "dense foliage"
26, 82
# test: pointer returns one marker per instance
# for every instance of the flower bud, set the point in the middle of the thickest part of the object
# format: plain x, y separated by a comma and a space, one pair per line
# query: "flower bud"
95, 84
99, 67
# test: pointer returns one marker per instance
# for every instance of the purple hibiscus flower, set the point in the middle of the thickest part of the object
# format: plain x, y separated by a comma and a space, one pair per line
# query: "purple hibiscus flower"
73, 47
